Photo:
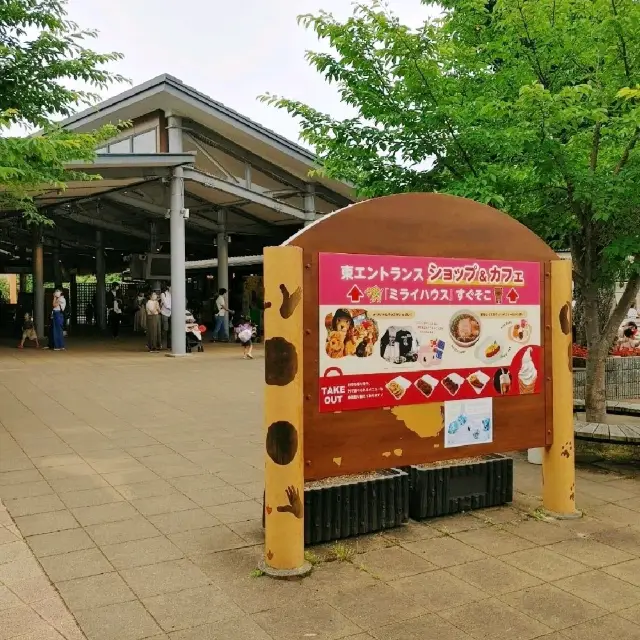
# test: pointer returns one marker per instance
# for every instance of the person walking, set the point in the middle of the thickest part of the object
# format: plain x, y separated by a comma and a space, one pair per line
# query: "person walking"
115, 316
140, 316
165, 313
154, 339
222, 314
57, 320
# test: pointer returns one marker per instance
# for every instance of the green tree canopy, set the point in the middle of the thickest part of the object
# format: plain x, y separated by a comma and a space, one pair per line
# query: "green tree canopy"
42, 58
531, 106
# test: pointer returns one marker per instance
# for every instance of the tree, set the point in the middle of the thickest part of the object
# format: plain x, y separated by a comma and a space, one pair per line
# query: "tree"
41, 52
530, 106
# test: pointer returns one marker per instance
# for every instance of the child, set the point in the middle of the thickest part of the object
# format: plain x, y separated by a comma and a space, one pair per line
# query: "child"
244, 331
28, 331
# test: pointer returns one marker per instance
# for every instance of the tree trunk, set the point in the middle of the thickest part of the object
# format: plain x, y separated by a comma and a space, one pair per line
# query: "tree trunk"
606, 304
595, 396
599, 341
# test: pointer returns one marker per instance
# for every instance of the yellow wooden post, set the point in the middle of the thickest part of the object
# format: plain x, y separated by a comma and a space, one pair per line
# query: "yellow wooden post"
558, 466
284, 440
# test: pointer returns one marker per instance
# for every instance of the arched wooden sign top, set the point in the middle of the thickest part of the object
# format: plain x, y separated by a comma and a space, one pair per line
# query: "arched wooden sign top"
392, 316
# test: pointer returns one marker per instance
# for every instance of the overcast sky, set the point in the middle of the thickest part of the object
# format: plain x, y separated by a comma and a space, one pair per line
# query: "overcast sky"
231, 51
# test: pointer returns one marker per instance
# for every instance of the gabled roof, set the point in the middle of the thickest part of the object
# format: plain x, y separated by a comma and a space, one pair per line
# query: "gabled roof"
169, 94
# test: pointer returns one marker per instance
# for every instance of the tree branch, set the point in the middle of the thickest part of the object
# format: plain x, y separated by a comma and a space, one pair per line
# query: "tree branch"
627, 152
447, 123
620, 311
536, 60
595, 147
623, 43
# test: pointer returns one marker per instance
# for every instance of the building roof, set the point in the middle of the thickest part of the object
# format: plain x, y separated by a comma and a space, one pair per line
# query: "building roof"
167, 93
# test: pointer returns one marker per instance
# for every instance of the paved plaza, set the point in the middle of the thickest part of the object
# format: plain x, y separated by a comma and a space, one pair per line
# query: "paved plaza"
132, 487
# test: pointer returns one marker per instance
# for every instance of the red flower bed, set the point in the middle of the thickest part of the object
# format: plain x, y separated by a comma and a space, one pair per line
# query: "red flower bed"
624, 352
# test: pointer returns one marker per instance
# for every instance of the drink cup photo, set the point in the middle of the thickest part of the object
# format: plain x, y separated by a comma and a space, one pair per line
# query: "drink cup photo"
497, 293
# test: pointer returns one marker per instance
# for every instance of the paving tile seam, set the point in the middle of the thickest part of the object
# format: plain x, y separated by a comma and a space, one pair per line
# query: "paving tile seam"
52, 585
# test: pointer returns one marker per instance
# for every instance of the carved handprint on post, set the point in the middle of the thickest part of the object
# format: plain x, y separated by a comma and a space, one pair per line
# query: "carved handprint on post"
289, 301
295, 504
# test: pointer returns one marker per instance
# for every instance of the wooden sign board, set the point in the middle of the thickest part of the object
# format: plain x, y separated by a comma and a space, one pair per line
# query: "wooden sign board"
419, 309
406, 330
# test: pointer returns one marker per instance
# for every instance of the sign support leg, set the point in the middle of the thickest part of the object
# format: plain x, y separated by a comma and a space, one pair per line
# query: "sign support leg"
284, 459
558, 466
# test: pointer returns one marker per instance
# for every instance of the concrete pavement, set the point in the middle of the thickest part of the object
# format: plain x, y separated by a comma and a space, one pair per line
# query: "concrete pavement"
133, 483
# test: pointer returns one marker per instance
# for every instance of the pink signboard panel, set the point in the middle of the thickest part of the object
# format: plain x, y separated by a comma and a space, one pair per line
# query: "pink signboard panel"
403, 330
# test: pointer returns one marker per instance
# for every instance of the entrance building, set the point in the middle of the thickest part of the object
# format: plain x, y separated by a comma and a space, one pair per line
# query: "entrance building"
191, 185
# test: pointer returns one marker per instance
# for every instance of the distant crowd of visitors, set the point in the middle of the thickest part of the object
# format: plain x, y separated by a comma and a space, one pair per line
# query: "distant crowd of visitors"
150, 311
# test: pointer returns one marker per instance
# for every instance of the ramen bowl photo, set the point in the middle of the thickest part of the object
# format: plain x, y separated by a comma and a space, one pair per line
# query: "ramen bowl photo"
464, 328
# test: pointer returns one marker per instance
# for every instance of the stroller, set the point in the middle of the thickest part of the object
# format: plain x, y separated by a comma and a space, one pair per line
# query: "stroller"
193, 333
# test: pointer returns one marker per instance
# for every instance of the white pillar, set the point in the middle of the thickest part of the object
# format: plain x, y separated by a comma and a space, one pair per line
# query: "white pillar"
223, 259
174, 130
38, 281
178, 272
101, 286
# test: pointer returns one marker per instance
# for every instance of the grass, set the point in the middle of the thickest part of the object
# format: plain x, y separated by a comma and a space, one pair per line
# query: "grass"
538, 514
256, 573
343, 552
312, 558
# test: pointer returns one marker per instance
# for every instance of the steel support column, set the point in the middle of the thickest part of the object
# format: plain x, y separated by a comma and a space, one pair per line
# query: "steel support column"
178, 272
310, 205
101, 286
38, 281
222, 241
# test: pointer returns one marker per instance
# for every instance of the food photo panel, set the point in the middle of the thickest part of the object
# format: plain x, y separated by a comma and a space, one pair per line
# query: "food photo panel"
410, 330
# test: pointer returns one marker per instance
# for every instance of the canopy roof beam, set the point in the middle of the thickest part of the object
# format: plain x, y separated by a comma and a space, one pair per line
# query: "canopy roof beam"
158, 211
238, 191
264, 166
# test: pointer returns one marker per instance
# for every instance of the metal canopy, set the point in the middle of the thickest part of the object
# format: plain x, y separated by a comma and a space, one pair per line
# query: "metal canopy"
234, 170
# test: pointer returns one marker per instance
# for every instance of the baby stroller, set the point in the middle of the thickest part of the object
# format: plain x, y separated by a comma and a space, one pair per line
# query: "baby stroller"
193, 333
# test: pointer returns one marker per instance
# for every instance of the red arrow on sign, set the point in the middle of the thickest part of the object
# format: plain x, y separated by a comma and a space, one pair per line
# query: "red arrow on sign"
513, 296
355, 294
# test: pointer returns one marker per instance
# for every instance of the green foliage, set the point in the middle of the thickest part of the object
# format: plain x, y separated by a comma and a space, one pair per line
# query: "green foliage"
42, 57
531, 107
4, 288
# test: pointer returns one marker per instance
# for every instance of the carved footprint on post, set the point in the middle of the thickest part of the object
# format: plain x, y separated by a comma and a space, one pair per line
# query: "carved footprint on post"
289, 301
295, 504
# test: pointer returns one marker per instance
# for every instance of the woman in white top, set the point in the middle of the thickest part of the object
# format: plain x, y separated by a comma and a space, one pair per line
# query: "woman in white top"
154, 337
115, 316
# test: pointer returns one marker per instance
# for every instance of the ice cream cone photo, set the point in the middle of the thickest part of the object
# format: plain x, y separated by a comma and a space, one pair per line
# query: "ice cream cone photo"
528, 374
526, 388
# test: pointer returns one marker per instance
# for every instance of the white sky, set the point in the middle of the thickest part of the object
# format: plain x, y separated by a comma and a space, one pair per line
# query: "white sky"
231, 51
